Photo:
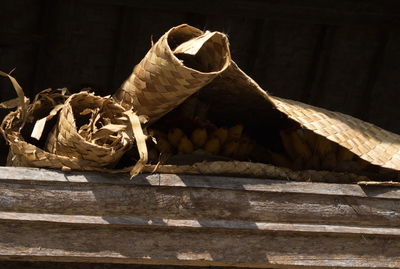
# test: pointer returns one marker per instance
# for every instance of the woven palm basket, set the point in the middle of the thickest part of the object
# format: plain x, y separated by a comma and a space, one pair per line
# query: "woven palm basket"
183, 61
16, 128
92, 128
90, 132
234, 95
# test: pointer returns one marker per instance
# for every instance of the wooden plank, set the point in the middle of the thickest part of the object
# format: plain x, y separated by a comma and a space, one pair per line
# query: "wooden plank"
18, 43
284, 57
197, 203
342, 81
158, 196
322, 12
80, 265
79, 47
163, 223
243, 36
364, 107
203, 247
18, 47
48, 215
384, 95
54, 57
37, 175
15, 40
138, 28
124, 54
152, 24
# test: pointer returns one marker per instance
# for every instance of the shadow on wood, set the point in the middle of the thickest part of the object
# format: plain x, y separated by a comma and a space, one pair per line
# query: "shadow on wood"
190, 220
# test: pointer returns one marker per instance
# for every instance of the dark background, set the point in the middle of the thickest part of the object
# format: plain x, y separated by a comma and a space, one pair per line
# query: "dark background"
342, 55
337, 54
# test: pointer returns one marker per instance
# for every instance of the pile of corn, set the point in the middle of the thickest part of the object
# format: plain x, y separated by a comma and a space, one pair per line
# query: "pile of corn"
303, 149
228, 142
188, 131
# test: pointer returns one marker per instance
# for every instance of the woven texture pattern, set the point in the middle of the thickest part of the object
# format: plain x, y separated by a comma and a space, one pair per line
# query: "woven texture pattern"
161, 81
25, 154
92, 142
364, 139
259, 170
71, 150
368, 141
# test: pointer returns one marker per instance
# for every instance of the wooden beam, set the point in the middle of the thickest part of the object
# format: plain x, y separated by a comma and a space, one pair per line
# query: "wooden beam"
202, 247
48, 215
322, 12
11, 39
160, 223
32, 175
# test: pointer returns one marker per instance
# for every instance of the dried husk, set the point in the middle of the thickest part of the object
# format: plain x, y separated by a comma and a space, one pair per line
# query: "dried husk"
67, 149
103, 135
234, 94
162, 81
183, 60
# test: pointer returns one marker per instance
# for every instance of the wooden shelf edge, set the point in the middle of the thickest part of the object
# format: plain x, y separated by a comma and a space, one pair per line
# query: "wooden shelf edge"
136, 222
164, 219
38, 175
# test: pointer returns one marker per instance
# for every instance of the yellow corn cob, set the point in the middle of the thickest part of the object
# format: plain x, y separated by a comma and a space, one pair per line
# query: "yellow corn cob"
199, 137
212, 146
230, 148
185, 145
221, 134
295, 146
300, 146
235, 132
174, 136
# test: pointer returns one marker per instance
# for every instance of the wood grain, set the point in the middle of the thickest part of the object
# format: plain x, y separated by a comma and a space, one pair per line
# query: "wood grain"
164, 219
342, 79
285, 50
171, 196
327, 12
205, 247
80, 265
162, 223
384, 95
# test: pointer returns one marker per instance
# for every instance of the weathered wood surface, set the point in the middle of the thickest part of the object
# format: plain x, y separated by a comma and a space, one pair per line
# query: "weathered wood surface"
76, 265
189, 220
327, 12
